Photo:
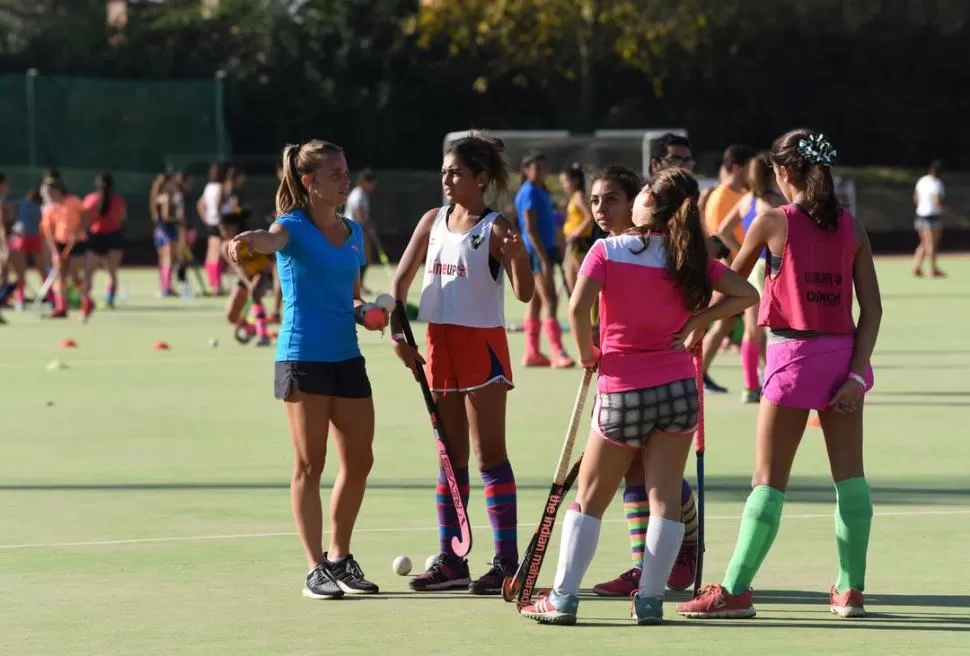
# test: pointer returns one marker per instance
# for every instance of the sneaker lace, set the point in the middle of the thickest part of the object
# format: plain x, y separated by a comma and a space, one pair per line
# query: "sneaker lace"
354, 568
497, 568
632, 574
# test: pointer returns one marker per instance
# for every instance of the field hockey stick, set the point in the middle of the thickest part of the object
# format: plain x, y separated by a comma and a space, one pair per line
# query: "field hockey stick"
188, 259
698, 352
520, 586
51, 278
381, 253
463, 544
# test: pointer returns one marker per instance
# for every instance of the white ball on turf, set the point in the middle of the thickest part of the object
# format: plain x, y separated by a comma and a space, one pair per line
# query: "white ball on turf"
214, 342
430, 561
385, 302
402, 565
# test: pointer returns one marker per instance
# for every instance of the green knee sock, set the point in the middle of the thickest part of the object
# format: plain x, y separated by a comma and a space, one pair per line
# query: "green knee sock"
853, 519
759, 526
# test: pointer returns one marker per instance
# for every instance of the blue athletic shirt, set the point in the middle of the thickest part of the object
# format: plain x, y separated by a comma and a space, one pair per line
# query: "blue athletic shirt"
533, 197
749, 218
317, 279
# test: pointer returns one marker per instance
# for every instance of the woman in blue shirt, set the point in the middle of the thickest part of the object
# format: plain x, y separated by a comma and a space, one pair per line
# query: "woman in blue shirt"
320, 373
537, 224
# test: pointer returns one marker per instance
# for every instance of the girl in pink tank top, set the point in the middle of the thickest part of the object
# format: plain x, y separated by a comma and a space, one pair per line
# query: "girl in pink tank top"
817, 359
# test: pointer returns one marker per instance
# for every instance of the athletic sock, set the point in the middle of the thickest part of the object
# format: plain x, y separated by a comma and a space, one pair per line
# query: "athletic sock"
18, 293
688, 513
180, 272
553, 331
637, 511
750, 354
447, 517
663, 543
531, 328
212, 269
580, 534
259, 313
759, 526
500, 499
165, 278
853, 521
109, 295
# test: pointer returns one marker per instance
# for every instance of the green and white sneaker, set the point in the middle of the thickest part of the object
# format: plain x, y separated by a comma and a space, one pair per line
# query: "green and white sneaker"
647, 610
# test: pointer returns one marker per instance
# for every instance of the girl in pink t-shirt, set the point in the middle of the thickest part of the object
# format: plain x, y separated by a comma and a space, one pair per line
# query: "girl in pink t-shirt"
655, 284
817, 359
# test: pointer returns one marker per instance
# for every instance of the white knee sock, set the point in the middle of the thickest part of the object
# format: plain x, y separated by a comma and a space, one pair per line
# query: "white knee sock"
660, 552
580, 534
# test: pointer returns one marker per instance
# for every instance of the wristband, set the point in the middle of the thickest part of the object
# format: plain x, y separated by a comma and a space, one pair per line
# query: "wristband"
398, 338
857, 378
359, 313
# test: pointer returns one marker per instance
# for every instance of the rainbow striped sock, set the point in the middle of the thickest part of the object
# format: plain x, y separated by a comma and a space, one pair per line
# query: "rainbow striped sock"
500, 499
447, 517
636, 507
688, 512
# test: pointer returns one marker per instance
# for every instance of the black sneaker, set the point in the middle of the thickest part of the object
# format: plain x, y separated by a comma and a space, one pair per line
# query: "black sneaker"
320, 584
491, 582
711, 386
445, 573
350, 577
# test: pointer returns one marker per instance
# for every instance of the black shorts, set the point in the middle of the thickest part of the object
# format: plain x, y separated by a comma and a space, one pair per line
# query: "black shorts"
212, 230
80, 248
106, 242
346, 379
264, 287
555, 257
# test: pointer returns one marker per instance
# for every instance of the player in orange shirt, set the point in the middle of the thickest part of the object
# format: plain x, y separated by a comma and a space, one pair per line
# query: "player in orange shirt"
64, 225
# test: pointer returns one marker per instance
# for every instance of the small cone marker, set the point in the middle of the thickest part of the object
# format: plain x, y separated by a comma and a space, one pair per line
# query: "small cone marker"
160, 346
68, 344
54, 365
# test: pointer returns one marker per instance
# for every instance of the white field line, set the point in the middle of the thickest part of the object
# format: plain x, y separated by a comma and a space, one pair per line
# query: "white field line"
411, 529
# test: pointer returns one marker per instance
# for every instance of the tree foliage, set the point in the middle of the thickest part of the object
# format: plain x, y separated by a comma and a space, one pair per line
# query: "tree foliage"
389, 77
562, 45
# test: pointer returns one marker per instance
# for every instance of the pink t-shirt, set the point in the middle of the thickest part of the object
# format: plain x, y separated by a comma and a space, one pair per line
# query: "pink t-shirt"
640, 312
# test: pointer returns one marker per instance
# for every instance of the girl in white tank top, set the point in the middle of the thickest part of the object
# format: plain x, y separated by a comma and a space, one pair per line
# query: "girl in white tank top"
209, 206
466, 247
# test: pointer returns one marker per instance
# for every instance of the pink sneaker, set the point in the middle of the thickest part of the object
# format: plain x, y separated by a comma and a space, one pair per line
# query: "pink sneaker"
536, 360
713, 602
685, 567
563, 361
622, 586
850, 603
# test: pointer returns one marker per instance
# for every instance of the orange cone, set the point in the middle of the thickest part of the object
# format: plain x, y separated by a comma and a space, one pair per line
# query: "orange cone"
160, 346
68, 344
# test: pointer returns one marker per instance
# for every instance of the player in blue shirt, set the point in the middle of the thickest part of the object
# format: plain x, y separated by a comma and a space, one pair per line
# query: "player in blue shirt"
320, 373
537, 224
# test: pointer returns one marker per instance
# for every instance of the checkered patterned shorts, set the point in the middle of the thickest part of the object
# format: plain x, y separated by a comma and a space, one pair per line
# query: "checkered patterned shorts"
628, 418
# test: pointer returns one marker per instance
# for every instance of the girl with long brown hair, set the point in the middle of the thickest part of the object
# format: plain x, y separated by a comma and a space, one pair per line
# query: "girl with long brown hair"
647, 404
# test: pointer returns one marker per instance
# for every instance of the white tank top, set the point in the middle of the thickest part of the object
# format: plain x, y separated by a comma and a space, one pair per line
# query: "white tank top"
458, 285
210, 202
